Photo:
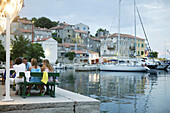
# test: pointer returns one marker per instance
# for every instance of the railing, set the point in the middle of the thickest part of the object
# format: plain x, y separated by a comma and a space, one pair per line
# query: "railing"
132, 47
111, 47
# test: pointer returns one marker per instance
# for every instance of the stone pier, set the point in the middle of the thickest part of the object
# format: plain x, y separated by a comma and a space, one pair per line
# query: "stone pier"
64, 102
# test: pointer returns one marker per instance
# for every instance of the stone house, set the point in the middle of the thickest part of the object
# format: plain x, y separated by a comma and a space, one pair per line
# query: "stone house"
109, 46
64, 31
63, 48
71, 33
82, 27
92, 43
23, 27
40, 33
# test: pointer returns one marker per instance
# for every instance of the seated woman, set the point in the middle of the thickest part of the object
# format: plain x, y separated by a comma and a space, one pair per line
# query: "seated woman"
18, 67
48, 68
34, 68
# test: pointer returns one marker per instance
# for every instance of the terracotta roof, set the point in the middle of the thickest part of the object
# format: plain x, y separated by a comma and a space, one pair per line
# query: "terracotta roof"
97, 39
41, 29
79, 31
61, 27
92, 52
25, 21
67, 45
125, 35
60, 44
25, 30
78, 52
43, 39
78, 45
102, 36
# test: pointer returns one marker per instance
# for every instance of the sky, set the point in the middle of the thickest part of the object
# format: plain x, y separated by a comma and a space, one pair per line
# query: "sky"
104, 14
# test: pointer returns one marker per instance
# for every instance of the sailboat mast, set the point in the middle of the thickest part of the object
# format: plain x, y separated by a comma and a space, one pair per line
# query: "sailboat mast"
135, 25
118, 32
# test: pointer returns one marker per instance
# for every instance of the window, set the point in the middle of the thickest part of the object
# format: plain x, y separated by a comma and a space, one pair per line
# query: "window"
142, 52
30, 37
104, 51
14, 29
142, 45
138, 44
84, 28
68, 30
138, 52
78, 28
69, 36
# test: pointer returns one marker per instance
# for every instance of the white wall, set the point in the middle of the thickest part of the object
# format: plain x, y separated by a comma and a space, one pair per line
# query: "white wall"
50, 48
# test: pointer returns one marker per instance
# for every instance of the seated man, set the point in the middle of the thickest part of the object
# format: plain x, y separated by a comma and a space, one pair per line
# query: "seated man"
27, 64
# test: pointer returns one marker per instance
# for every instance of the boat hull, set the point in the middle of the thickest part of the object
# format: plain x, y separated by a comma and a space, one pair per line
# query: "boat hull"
152, 66
162, 67
123, 68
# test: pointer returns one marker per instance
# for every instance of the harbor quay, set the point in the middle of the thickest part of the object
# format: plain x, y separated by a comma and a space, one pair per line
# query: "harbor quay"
64, 102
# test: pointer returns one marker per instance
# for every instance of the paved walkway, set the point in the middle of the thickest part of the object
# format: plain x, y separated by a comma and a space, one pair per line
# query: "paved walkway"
65, 101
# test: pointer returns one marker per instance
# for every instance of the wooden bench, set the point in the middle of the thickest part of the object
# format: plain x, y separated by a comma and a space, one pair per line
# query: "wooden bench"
38, 74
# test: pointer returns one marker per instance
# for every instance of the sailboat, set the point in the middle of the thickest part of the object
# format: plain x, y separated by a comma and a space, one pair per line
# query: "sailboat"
125, 67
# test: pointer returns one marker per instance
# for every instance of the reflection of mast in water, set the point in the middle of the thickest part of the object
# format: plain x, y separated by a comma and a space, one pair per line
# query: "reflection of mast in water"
135, 94
146, 102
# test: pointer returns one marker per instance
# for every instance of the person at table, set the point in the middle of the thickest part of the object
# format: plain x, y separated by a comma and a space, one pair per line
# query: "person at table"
34, 68
11, 68
18, 67
27, 64
48, 68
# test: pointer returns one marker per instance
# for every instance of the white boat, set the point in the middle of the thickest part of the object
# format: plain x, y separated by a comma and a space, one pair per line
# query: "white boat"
124, 68
162, 66
59, 66
150, 63
87, 68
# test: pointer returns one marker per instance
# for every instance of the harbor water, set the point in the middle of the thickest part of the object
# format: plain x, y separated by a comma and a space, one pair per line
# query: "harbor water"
122, 92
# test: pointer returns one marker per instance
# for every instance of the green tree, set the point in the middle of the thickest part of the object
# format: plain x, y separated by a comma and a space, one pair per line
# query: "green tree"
34, 20
153, 54
100, 29
58, 39
2, 52
35, 51
20, 45
70, 55
44, 22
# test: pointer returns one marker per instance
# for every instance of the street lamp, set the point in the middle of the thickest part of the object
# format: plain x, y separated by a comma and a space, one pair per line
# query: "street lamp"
8, 11
32, 31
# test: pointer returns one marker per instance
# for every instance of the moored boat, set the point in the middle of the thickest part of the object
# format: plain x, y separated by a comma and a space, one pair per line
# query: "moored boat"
124, 68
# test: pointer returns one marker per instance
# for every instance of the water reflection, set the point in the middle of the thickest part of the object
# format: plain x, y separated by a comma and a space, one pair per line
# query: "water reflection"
121, 92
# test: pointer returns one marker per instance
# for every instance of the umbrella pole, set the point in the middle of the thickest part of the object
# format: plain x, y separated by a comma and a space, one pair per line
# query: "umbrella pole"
7, 82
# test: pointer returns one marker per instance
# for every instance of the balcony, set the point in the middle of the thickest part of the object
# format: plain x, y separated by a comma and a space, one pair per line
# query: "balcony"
111, 47
132, 47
